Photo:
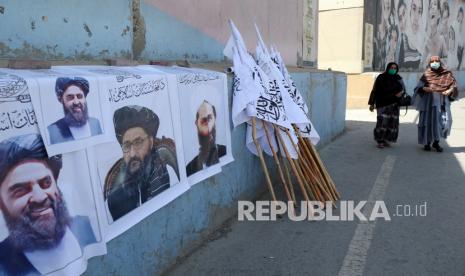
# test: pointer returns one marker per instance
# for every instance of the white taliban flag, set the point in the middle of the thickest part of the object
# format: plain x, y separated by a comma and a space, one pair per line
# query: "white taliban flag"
254, 94
307, 130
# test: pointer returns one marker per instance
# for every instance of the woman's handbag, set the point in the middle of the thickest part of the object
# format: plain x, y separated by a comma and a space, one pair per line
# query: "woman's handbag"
405, 100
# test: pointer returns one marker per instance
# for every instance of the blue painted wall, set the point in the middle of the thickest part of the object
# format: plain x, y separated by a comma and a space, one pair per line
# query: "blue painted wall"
72, 29
151, 246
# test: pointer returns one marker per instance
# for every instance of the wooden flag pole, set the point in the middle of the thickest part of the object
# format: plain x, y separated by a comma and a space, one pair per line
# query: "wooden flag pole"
307, 167
294, 169
288, 175
315, 159
316, 170
280, 171
262, 160
322, 168
286, 168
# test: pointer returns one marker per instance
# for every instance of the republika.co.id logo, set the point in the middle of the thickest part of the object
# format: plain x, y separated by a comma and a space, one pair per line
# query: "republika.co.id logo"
317, 211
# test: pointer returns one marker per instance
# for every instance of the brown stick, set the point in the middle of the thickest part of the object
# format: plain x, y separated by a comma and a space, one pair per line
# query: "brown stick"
323, 168
318, 163
314, 192
319, 185
317, 170
262, 160
294, 169
275, 156
288, 175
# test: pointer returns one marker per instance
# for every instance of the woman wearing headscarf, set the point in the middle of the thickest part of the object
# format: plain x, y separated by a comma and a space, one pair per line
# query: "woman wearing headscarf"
433, 94
385, 95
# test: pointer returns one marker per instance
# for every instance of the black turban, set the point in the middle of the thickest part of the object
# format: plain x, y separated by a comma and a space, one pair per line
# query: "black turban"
135, 116
63, 83
25, 147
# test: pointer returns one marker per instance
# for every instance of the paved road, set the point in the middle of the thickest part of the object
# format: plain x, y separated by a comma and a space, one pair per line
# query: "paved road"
407, 245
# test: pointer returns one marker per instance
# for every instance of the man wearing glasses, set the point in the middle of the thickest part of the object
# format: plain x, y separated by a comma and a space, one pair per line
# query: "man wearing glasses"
209, 151
142, 172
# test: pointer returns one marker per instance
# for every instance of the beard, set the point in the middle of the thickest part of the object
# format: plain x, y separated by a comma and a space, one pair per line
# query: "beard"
77, 115
135, 167
136, 173
207, 143
28, 233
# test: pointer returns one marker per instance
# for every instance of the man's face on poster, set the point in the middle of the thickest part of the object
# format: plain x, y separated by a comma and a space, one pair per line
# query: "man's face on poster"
136, 146
32, 206
75, 106
416, 11
205, 121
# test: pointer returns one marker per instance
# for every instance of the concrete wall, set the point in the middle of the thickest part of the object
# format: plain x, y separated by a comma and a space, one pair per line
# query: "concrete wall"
151, 246
340, 39
74, 29
145, 29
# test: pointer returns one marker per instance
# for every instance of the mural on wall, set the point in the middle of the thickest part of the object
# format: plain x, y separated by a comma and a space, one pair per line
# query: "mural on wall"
410, 31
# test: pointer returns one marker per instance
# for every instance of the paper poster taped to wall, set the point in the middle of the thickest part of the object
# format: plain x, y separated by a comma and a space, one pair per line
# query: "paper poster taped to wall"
49, 222
204, 121
139, 171
70, 110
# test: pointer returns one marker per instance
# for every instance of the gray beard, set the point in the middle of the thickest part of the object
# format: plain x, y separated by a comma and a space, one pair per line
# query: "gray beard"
27, 234
70, 120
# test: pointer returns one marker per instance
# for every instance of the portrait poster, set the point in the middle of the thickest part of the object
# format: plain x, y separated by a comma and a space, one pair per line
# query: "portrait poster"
48, 221
70, 109
137, 172
206, 131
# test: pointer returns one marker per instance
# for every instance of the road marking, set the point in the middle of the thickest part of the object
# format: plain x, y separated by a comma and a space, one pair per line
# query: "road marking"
355, 259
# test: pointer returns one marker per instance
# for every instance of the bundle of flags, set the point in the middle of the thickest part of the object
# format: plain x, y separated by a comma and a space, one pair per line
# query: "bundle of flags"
267, 100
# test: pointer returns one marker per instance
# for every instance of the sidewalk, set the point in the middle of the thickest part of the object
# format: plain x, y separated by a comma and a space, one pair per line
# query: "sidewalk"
401, 175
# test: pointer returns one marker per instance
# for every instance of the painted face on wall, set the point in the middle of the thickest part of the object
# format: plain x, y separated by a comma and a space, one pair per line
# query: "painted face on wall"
402, 20
433, 10
386, 8
451, 43
416, 11
460, 17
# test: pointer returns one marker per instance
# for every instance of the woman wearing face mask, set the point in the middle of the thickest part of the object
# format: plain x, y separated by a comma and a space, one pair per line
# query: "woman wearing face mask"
437, 86
385, 95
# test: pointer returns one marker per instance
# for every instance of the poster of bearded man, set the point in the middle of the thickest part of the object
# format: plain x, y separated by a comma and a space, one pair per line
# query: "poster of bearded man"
138, 171
206, 131
70, 110
51, 224
205, 123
